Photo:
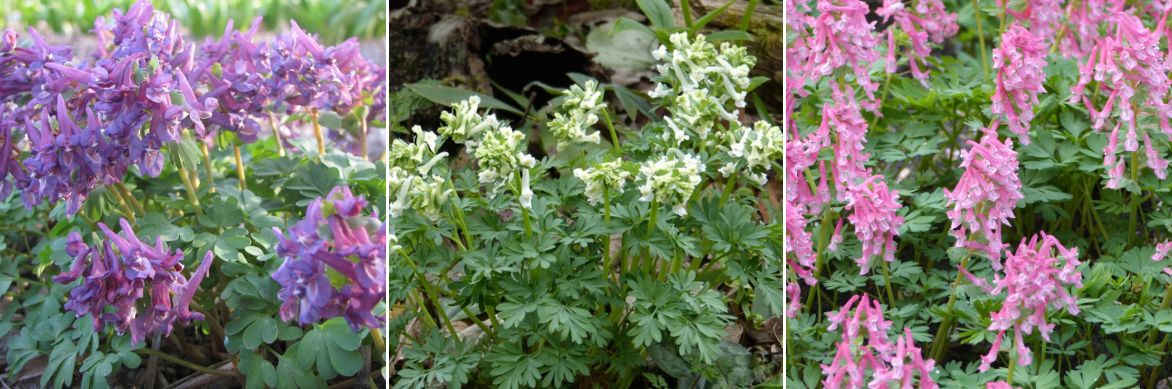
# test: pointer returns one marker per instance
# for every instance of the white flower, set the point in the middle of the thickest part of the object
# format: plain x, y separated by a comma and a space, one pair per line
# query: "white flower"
580, 109
606, 177
424, 193
670, 179
420, 155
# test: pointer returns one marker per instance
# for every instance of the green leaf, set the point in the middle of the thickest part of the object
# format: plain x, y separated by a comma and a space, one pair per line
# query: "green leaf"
658, 12
447, 96
730, 36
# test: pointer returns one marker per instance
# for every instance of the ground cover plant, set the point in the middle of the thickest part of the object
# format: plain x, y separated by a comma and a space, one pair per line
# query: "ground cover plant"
977, 194
180, 213
604, 239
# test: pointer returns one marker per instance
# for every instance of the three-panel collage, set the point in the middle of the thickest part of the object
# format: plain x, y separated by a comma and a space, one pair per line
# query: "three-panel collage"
407, 194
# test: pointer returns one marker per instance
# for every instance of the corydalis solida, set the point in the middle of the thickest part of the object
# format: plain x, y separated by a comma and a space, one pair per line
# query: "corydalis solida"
119, 272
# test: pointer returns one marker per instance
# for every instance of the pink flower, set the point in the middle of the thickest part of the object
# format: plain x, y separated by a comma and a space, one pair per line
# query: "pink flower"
874, 216
1020, 63
1162, 250
984, 198
888, 363
843, 38
998, 385
1036, 277
1131, 71
927, 22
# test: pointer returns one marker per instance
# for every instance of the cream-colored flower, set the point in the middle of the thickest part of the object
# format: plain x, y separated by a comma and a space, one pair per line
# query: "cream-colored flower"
606, 177
670, 179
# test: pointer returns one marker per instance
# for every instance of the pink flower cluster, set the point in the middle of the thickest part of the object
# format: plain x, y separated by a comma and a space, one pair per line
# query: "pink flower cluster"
875, 219
1162, 250
984, 198
1042, 16
928, 21
888, 363
1083, 21
850, 133
1127, 66
800, 200
842, 37
1036, 277
1019, 61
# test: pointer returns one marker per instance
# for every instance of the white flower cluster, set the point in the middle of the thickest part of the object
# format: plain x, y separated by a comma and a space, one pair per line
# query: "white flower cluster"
671, 179
758, 147
464, 125
606, 177
500, 158
581, 106
698, 83
410, 177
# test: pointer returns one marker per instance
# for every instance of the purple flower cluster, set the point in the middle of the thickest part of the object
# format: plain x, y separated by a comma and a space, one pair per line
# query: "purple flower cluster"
888, 363
335, 262
1036, 277
122, 275
984, 198
88, 119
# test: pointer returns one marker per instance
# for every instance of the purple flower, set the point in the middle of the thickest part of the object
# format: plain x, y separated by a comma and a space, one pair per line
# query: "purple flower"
335, 244
115, 275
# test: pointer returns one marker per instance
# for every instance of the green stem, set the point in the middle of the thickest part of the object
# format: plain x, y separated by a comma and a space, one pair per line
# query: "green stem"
981, 39
239, 168
1012, 365
687, 12
728, 187
434, 296
317, 134
942, 333
181, 362
649, 259
887, 282
130, 197
748, 14
614, 137
207, 165
192, 197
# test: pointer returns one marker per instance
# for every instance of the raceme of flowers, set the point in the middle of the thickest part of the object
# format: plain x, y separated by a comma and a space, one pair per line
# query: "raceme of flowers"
334, 262
928, 21
603, 179
858, 353
88, 119
411, 182
841, 37
497, 148
1020, 63
700, 85
580, 107
1130, 70
753, 150
670, 179
121, 275
875, 219
984, 198
1035, 278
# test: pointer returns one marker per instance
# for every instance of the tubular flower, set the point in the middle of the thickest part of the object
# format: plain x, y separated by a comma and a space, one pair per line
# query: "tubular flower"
843, 37
580, 108
984, 198
888, 363
754, 150
875, 219
670, 179
700, 85
927, 22
1020, 63
1036, 277
334, 262
603, 178
119, 272
1131, 71
464, 125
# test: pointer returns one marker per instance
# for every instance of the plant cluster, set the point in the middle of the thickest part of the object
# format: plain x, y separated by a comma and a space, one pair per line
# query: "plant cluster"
607, 249
907, 162
138, 132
